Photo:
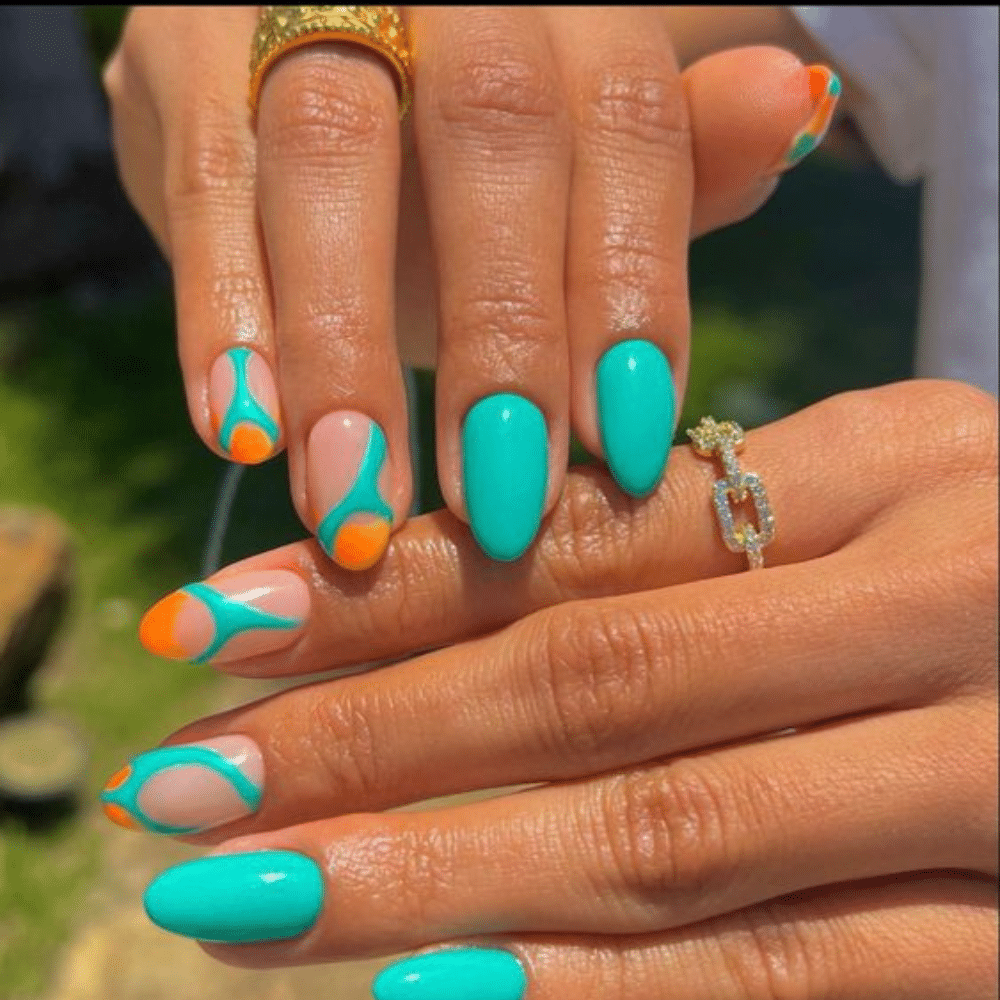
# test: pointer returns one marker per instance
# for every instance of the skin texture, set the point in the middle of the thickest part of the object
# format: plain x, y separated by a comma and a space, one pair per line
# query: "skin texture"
555, 166
677, 840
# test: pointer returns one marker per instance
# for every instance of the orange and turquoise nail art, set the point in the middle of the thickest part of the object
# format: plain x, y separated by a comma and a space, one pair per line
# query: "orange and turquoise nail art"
237, 617
185, 789
348, 479
243, 404
824, 91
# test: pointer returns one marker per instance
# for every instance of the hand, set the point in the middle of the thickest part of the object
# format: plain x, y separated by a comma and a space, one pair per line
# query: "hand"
674, 845
557, 165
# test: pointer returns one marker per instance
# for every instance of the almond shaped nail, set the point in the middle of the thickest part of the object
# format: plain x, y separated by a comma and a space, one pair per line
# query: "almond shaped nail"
348, 478
187, 788
232, 618
243, 405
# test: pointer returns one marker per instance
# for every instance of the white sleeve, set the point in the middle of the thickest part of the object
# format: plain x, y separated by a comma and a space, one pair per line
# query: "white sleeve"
927, 86
894, 79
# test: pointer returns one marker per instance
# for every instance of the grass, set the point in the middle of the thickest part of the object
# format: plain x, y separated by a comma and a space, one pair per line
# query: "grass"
815, 295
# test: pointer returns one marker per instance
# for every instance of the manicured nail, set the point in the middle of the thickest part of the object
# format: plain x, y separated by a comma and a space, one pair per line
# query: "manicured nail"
238, 898
187, 788
459, 974
824, 91
348, 475
505, 468
635, 412
243, 405
234, 618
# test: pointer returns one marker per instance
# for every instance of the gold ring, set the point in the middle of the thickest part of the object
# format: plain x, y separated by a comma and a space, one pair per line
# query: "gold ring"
723, 440
282, 29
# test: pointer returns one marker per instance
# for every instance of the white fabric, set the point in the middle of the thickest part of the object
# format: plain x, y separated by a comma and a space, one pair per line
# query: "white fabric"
929, 83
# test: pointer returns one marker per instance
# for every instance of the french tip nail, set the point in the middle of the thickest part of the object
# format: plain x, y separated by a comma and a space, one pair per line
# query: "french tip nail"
158, 628
243, 406
238, 898
824, 91
454, 974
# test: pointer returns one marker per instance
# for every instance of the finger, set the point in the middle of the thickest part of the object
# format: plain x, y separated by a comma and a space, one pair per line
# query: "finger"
596, 685
755, 113
436, 587
328, 167
661, 846
205, 216
630, 223
495, 154
926, 936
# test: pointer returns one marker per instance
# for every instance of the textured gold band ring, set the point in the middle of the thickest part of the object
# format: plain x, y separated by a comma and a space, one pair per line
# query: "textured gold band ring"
723, 440
280, 30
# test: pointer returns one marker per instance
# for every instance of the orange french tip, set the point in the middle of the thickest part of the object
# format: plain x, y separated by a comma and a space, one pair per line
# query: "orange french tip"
158, 628
360, 546
120, 816
249, 444
819, 81
118, 778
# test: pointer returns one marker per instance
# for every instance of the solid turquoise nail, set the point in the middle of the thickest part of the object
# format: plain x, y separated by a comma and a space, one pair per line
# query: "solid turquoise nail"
635, 410
236, 898
505, 468
462, 974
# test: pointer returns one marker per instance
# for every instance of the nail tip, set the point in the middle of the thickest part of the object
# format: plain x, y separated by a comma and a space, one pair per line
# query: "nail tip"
158, 625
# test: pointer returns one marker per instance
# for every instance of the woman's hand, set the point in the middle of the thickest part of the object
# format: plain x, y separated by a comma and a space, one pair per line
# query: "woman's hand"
557, 165
680, 841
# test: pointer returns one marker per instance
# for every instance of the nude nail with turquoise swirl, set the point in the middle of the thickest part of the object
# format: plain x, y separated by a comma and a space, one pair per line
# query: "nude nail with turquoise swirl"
824, 93
187, 788
348, 480
243, 404
228, 618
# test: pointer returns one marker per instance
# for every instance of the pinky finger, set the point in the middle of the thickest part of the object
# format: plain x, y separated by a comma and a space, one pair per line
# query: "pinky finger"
928, 936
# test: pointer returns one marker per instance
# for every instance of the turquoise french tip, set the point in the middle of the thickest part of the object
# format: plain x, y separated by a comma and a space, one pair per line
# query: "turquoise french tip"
462, 974
238, 898
636, 405
505, 468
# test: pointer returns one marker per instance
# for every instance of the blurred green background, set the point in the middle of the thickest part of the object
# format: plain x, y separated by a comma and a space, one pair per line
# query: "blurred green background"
815, 295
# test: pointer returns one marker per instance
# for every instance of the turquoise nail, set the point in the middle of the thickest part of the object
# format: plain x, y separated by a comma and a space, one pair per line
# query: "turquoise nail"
505, 469
635, 410
462, 974
236, 898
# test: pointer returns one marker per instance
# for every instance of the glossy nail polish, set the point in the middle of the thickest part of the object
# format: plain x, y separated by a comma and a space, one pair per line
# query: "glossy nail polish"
454, 974
824, 92
238, 898
348, 480
635, 412
243, 406
505, 467
187, 788
235, 617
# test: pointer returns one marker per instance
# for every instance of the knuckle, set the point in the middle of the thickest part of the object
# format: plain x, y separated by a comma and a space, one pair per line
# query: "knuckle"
772, 957
320, 108
597, 677
668, 833
506, 331
499, 92
215, 159
637, 99
341, 740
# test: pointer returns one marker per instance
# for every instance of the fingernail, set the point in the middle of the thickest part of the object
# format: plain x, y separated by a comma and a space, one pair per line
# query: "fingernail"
459, 974
233, 618
243, 406
505, 467
238, 898
187, 788
348, 480
824, 91
635, 412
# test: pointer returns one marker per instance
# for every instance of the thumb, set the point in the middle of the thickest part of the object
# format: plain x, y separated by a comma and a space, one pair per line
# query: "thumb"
755, 113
